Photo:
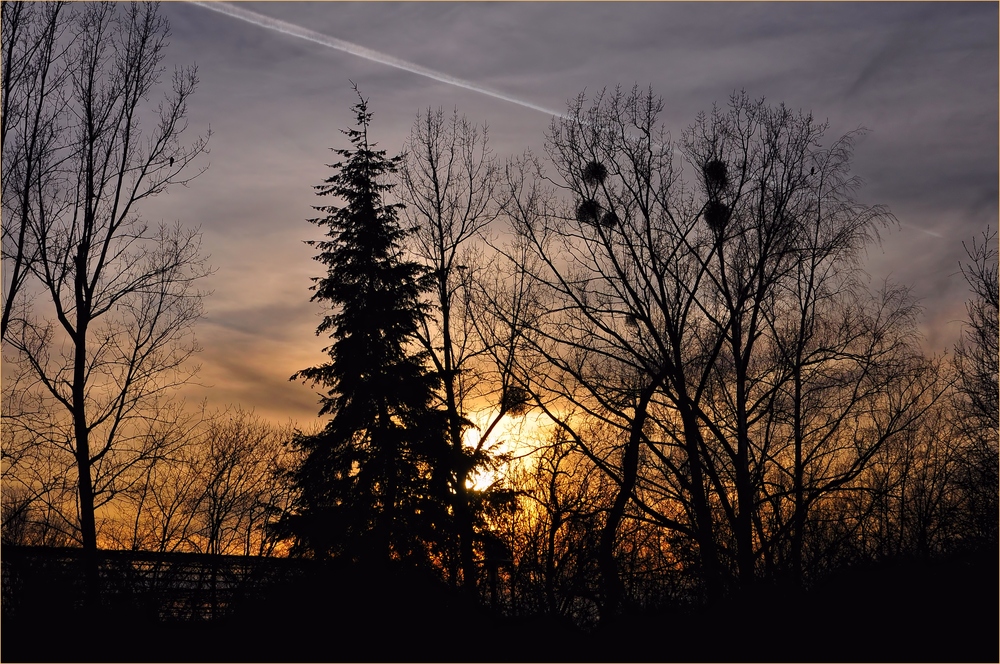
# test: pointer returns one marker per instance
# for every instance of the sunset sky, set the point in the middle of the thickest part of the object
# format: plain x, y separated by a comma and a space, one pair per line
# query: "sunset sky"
923, 77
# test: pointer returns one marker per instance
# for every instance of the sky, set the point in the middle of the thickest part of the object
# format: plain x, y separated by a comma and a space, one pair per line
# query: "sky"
921, 77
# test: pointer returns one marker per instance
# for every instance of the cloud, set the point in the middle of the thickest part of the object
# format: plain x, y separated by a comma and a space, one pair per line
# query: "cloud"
926, 35
361, 51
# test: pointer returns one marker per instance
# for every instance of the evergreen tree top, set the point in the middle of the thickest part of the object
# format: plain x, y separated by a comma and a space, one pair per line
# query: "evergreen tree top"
360, 178
373, 293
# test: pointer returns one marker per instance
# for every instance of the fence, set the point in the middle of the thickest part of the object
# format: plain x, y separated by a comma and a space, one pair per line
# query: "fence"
159, 586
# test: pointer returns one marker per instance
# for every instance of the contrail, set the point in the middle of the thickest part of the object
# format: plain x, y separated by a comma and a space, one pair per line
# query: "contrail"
362, 52
922, 230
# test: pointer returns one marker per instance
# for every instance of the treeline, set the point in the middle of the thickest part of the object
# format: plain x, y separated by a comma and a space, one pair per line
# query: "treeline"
713, 395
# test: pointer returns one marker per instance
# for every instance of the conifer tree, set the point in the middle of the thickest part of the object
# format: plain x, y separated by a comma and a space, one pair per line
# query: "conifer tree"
366, 487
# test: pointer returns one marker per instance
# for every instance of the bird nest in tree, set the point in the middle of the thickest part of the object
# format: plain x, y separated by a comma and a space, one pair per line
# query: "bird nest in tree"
594, 173
716, 215
609, 219
515, 401
716, 174
588, 211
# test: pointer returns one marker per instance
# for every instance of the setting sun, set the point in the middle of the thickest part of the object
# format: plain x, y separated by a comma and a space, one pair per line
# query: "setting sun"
517, 436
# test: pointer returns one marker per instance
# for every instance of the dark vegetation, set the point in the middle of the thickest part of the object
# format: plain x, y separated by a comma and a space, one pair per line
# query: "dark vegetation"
732, 446
909, 610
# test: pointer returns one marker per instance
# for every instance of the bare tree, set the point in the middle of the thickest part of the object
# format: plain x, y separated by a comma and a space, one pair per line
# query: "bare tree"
37, 466
976, 399
161, 508
242, 483
976, 355
220, 484
619, 270
562, 495
705, 323
33, 121
15, 513
864, 394
156, 510
110, 332
449, 177
901, 501
28, 518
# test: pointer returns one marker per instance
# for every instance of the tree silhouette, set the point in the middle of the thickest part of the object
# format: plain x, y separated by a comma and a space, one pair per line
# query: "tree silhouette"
449, 180
101, 332
367, 490
976, 396
699, 322
35, 75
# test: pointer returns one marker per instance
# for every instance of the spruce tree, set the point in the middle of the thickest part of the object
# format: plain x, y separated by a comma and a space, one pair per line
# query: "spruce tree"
366, 486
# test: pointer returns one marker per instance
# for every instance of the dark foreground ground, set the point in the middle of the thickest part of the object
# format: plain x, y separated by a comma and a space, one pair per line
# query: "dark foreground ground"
945, 611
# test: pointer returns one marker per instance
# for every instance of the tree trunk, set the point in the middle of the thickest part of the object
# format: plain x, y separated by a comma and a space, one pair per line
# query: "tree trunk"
799, 518
613, 591
612, 586
463, 512
88, 523
463, 515
704, 528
